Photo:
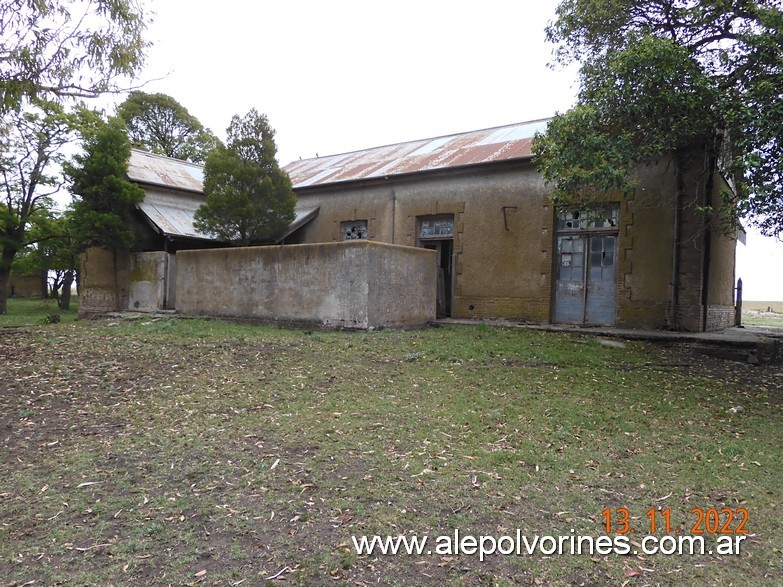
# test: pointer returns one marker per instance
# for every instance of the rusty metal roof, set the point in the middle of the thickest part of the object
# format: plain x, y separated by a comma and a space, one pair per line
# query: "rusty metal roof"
151, 169
490, 145
172, 212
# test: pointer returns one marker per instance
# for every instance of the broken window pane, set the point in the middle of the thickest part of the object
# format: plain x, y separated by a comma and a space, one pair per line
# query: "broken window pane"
436, 227
354, 230
604, 217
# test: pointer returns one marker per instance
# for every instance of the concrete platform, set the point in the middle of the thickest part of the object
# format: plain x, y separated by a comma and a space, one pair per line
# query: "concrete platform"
755, 344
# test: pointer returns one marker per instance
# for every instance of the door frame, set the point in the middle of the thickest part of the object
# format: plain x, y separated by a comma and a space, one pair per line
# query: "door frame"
587, 222
441, 240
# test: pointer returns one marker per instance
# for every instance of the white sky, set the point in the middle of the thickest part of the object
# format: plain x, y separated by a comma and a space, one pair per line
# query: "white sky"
345, 75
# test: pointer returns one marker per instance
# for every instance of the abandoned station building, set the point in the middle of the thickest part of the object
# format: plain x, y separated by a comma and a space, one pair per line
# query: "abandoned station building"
502, 249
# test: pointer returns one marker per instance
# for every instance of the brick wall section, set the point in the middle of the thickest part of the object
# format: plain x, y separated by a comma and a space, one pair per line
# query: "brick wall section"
720, 317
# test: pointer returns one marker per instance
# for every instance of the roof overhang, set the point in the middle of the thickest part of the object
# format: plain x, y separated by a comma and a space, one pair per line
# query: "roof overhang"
172, 214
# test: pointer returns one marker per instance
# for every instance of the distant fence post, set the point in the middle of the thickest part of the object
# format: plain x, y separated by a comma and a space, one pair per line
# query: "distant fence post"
738, 305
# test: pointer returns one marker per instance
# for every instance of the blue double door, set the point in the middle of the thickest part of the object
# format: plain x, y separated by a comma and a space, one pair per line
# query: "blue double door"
586, 287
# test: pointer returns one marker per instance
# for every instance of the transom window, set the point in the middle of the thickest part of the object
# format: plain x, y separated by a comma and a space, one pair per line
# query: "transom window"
589, 218
436, 227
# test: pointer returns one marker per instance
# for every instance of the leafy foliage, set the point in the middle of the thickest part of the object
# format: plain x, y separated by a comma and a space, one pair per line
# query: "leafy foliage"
659, 77
55, 252
249, 198
58, 48
160, 124
31, 151
105, 199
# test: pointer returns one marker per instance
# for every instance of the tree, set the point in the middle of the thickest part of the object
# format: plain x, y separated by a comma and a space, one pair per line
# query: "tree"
67, 48
669, 77
105, 200
249, 198
162, 125
55, 252
31, 150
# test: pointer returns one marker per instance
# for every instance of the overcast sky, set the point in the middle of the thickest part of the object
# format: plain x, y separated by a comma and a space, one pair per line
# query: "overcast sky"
346, 75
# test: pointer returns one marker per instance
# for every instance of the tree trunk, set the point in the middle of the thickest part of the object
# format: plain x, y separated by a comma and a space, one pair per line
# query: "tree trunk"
4, 279
5, 276
65, 296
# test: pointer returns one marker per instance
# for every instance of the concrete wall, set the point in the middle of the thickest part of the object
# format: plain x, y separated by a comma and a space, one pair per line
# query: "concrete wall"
357, 284
105, 282
148, 281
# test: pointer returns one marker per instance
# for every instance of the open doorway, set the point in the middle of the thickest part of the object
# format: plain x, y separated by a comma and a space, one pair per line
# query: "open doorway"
437, 234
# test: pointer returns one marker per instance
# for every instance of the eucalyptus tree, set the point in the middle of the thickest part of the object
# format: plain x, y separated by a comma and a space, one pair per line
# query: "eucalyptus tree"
32, 145
51, 49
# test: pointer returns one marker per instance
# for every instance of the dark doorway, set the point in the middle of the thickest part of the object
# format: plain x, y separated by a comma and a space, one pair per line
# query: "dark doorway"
437, 234
444, 252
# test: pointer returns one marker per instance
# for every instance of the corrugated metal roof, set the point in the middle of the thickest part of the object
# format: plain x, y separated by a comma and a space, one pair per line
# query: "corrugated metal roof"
173, 213
147, 168
502, 143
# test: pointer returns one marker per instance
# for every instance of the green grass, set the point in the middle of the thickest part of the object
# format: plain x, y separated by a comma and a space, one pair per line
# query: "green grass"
762, 318
147, 451
30, 311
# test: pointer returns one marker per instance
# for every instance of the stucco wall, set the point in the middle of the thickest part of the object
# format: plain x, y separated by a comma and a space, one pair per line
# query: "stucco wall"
504, 239
722, 268
502, 232
645, 243
105, 281
358, 284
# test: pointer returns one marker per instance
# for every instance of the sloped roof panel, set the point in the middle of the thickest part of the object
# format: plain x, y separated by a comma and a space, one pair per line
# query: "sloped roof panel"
472, 148
147, 168
173, 214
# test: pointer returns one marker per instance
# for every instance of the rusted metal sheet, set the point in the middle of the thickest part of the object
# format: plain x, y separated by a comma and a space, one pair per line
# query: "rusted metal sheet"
147, 168
471, 148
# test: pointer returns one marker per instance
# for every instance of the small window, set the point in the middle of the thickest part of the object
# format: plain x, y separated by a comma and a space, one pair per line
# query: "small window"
354, 230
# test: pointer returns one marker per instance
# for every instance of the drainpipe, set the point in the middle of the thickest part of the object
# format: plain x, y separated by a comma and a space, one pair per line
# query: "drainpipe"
705, 270
680, 188
394, 214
